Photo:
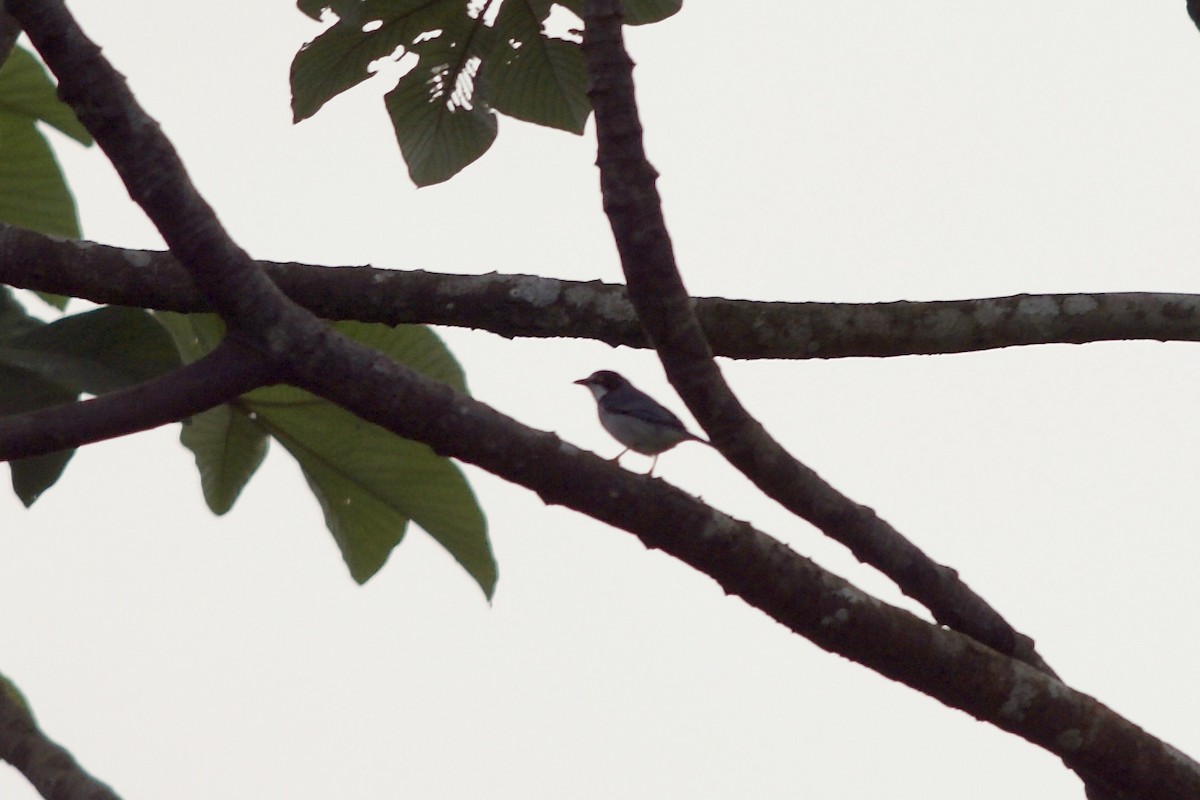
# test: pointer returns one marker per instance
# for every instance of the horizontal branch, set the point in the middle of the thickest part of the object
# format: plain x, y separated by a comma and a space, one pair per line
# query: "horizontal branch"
224, 374
532, 306
837, 616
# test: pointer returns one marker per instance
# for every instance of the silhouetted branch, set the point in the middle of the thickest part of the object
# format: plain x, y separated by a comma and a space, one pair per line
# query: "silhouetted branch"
534, 306
631, 200
224, 374
947, 665
51, 770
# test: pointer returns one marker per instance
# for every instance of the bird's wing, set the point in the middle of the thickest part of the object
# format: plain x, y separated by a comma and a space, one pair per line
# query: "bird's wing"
634, 403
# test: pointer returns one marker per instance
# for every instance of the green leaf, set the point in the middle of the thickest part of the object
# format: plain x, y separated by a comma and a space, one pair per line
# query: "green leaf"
534, 77
637, 12
229, 447
27, 91
415, 346
22, 391
33, 192
97, 351
440, 112
341, 57
14, 319
195, 335
228, 444
316, 8
369, 481
31, 477
46, 365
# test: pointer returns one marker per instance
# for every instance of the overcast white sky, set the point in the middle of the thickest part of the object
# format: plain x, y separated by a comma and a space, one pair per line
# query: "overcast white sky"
832, 151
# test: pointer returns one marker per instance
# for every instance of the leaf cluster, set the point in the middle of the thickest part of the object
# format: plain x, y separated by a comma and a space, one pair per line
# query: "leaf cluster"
368, 481
469, 60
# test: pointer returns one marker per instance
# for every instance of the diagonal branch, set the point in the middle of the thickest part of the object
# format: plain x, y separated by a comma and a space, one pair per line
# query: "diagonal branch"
656, 290
946, 665
224, 374
942, 663
631, 200
52, 771
534, 306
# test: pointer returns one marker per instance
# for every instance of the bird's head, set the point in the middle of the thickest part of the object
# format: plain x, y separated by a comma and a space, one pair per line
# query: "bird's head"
602, 382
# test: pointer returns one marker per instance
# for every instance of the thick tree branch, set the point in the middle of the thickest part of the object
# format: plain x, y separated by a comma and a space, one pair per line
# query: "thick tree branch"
533, 306
223, 375
631, 200
656, 290
945, 664
51, 770
810, 601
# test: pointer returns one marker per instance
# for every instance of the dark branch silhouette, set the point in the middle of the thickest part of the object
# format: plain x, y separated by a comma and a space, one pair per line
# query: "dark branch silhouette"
631, 200
632, 203
223, 375
944, 664
46, 765
534, 306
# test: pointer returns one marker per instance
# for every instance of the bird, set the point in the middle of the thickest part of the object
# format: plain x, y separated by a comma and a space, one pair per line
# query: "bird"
634, 418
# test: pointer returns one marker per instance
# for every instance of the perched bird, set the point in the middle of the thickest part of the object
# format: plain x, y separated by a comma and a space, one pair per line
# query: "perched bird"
633, 417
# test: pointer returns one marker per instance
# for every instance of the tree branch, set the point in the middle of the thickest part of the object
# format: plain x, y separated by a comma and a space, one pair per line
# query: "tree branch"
51, 770
631, 200
534, 306
224, 374
944, 664
953, 668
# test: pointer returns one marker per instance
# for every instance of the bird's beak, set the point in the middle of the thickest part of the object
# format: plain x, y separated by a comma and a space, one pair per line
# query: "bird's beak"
581, 381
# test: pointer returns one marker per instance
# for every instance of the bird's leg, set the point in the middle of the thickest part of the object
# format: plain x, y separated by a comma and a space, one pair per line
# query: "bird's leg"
653, 463
617, 457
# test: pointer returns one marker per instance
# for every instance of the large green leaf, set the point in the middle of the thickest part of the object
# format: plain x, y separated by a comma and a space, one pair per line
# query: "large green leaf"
97, 351
45, 365
27, 91
341, 57
229, 446
440, 109
636, 12
195, 335
369, 482
23, 391
227, 442
443, 109
33, 191
535, 77
316, 8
